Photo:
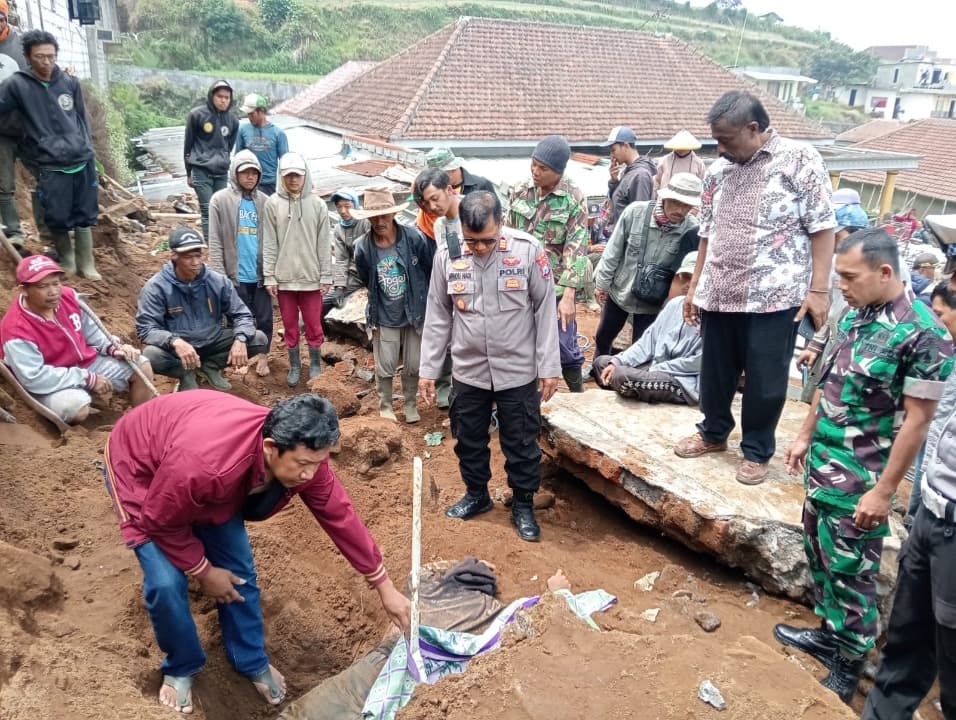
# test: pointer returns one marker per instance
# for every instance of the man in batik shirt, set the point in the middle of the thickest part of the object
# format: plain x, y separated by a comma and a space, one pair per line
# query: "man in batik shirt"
554, 210
766, 246
881, 383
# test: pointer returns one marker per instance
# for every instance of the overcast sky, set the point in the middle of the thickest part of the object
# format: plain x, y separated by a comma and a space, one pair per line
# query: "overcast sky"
861, 23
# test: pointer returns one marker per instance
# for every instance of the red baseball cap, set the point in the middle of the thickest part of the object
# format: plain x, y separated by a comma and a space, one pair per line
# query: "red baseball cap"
36, 267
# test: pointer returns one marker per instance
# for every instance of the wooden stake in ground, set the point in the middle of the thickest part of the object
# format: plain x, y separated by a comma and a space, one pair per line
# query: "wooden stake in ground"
416, 654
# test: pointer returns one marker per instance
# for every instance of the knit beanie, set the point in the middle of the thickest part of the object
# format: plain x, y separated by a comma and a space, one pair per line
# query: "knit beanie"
554, 152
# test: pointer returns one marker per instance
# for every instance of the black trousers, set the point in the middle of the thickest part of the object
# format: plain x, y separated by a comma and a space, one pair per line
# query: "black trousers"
921, 637
259, 302
215, 353
69, 200
613, 319
519, 423
760, 345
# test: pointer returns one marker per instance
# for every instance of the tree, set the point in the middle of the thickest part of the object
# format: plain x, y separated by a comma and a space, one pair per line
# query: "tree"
836, 64
275, 12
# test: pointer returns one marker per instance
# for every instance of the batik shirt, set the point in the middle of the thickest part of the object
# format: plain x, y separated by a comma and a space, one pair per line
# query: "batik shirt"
559, 221
881, 354
758, 218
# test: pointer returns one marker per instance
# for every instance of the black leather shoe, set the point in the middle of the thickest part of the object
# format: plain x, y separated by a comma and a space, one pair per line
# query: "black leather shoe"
522, 515
816, 642
844, 677
469, 506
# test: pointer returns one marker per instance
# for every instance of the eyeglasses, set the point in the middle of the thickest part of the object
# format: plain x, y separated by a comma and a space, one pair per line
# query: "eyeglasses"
44, 58
484, 242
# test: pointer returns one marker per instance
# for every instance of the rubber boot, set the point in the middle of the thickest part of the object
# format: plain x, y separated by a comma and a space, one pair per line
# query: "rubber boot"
295, 367
410, 391
188, 381
315, 362
214, 377
384, 387
11, 219
64, 251
43, 232
574, 379
85, 263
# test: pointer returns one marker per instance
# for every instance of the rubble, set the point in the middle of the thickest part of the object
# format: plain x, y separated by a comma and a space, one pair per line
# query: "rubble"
624, 450
709, 693
707, 621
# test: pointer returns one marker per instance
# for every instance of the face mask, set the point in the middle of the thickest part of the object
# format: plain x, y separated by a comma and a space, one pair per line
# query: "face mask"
346, 223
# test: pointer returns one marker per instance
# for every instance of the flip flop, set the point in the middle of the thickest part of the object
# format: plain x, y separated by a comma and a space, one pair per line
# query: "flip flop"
275, 693
183, 687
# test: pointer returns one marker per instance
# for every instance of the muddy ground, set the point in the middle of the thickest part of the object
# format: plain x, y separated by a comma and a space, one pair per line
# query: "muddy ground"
75, 640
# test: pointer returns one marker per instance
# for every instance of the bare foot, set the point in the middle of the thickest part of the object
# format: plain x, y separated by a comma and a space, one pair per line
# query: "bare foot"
262, 366
271, 685
176, 693
559, 581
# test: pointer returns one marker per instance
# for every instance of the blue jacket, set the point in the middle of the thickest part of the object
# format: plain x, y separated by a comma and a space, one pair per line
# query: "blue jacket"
416, 253
169, 308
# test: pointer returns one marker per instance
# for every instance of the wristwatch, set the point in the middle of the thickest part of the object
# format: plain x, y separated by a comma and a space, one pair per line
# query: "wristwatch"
241, 337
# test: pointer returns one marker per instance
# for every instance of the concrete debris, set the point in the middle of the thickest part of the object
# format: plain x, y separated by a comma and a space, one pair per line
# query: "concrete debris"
72, 562
682, 594
698, 501
707, 621
646, 583
62, 544
651, 614
711, 695
349, 320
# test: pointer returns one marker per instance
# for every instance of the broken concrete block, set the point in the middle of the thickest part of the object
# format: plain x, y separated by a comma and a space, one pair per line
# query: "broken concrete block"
625, 451
708, 621
646, 583
651, 614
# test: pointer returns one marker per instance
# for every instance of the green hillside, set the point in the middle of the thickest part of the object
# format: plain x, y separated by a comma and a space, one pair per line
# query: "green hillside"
313, 37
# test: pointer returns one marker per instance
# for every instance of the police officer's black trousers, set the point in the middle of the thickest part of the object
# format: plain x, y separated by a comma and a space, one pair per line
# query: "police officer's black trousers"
921, 637
519, 421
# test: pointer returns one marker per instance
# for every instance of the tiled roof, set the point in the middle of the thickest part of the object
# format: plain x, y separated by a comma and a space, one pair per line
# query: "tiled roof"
869, 130
499, 80
316, 91
935, 142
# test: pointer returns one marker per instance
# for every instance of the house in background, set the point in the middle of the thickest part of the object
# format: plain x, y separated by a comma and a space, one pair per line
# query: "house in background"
930, 189
493, 87
787, 84
82, 47
911, 83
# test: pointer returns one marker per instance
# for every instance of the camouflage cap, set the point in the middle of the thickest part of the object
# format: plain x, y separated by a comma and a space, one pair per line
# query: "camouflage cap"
442, 158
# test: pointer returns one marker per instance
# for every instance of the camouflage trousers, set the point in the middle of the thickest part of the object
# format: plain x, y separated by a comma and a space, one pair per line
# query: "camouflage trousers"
844, 562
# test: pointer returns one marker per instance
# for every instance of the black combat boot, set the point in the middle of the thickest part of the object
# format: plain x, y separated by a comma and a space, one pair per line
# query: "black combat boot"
844, 677
522, 515
474, 503
819, 642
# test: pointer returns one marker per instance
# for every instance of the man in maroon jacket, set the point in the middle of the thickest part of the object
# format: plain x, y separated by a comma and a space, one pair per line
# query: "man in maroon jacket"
184, 472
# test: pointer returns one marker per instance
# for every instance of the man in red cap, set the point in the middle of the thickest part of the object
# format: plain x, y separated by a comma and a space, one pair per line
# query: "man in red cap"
57, 352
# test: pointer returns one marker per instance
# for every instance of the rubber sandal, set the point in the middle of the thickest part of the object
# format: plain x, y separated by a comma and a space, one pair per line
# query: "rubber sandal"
183, 687
276, 694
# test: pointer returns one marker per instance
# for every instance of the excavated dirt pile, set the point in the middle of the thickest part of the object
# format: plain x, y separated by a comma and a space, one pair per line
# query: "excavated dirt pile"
75, 640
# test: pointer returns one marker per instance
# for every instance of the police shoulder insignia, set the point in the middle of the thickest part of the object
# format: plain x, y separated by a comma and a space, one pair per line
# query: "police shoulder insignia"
502, 244
511, 261
542, 262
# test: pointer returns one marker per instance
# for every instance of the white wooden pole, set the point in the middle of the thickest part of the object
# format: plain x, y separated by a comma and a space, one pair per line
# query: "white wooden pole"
416, 560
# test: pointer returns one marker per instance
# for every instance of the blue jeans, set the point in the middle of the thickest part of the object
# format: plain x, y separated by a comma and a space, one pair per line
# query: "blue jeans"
164, 589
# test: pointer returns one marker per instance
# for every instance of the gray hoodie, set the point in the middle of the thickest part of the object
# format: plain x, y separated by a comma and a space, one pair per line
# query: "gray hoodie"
297, 241
224, 220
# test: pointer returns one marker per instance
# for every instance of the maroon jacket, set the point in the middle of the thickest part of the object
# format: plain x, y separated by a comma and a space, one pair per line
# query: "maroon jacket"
191, 458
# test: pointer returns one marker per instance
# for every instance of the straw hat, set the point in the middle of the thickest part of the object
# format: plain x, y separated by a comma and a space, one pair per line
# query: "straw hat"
378, 201
682, 141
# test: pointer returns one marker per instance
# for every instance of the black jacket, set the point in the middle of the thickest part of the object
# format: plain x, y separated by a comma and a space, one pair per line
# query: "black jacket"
416, 253
210, 135
56, 131
636, 185
470, 183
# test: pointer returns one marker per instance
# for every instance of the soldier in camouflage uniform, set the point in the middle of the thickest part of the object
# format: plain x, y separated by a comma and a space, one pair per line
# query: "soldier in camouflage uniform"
554, 210
890, 357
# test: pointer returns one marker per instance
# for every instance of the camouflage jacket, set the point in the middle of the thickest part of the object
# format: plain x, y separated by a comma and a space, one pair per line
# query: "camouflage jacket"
881, 354
559, 221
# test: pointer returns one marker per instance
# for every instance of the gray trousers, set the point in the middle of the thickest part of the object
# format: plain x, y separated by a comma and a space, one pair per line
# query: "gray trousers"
8, 185
640, 383
391, 345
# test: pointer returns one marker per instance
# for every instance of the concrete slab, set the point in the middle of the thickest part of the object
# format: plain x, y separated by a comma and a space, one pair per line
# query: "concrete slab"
624, 450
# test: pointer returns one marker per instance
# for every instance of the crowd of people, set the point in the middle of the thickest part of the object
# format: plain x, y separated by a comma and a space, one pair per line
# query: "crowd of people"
476, 305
